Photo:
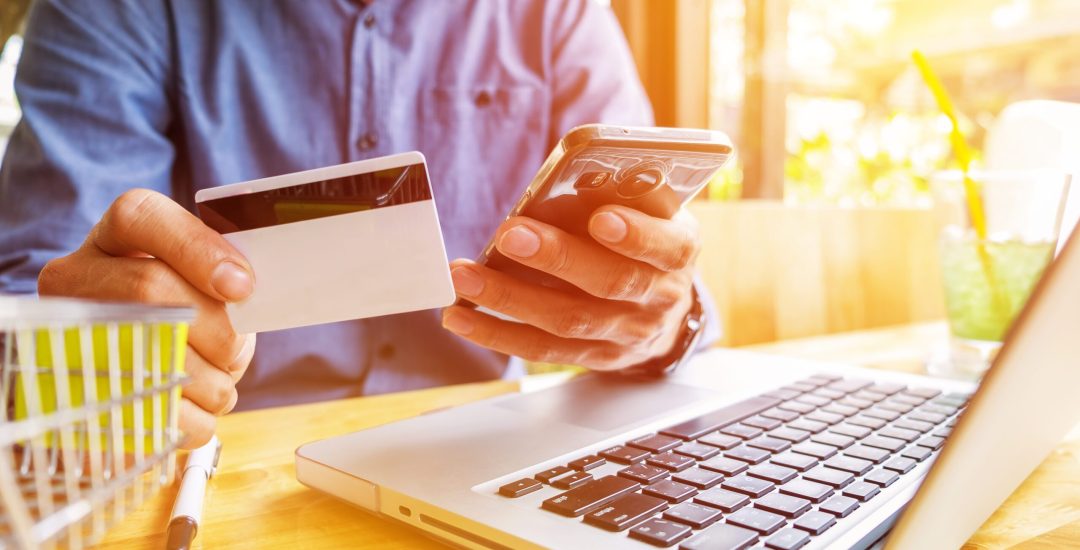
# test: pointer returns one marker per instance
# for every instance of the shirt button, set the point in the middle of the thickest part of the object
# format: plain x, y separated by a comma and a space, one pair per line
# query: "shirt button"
368, 141
369, 21
386, 351
483, 99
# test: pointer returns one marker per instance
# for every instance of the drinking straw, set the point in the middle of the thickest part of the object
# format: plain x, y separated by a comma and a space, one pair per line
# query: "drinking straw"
959, 144
971, 191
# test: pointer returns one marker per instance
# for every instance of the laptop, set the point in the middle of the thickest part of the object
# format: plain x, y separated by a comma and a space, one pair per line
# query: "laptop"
734, 450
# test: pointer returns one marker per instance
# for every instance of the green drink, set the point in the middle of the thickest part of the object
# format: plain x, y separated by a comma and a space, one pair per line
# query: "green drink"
985, 289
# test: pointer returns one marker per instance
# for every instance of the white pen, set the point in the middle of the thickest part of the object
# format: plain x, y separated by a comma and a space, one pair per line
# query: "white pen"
187, 510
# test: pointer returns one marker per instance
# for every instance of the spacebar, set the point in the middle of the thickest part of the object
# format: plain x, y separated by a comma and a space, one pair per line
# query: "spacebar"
697, 427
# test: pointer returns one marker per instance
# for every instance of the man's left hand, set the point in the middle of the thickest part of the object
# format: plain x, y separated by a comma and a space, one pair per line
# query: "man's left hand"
631, 290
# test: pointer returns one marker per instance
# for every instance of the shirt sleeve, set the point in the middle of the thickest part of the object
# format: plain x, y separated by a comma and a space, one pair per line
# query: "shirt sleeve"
92, 84
595, 80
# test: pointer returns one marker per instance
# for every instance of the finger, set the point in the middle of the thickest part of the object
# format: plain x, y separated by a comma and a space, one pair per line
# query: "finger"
668, 245
207, 386
584, 264
92, 274
145, 222
567, 315
196, 424
533, 344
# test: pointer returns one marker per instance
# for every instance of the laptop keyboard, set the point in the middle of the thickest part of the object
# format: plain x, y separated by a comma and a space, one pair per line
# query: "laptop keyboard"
777, 469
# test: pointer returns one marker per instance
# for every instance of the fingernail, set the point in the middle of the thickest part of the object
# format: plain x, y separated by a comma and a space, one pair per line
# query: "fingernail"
231, 281
520, 241
467, 282
456, 322
608, 226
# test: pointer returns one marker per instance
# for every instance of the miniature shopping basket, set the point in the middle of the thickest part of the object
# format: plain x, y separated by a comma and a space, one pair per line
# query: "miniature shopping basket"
90, 396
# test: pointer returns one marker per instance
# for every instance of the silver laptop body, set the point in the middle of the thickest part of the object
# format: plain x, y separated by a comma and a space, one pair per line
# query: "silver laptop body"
442, 472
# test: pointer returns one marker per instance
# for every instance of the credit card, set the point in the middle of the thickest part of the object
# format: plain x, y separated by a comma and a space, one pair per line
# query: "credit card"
343, 242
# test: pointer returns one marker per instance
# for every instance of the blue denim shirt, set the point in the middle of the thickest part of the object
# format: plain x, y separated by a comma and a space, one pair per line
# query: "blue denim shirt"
179, 95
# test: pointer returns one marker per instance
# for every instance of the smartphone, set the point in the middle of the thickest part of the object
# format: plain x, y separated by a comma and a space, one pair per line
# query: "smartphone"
653, 170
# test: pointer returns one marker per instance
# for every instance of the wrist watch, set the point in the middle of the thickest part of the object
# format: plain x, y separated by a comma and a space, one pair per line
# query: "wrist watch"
692, 328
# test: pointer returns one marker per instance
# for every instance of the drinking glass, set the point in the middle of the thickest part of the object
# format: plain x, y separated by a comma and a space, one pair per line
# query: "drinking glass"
987, 281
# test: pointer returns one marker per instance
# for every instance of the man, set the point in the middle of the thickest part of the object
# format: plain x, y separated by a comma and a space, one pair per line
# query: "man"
132, 106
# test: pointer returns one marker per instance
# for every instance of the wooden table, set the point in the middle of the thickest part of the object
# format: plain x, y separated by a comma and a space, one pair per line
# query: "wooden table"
255, 500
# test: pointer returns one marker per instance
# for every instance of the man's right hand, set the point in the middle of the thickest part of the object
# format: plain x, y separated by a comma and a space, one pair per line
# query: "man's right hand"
148, 249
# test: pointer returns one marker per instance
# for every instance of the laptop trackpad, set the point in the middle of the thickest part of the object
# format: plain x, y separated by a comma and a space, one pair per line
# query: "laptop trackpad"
605, 403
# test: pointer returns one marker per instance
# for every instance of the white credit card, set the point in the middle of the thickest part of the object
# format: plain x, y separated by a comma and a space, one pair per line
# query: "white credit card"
332, 244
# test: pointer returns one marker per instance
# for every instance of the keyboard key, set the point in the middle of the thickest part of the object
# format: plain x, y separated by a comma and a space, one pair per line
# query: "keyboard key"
805, 489
520, 487
699, 478
854, 465
821, 415
747, 485
833, 478
851, 430
900, 464
720, 440
802, 386
883, 414
833, 440
792, 435
869, 395
728, 501
811, 426
861, 491
942, 409
660, 532
697, 427
899, 433
867, 422
671, 491
815, 522
850, 385
827, 377
656, 443
721, 536
724, 465
771, 444
643, 473
588, 497
759, 520
925, 416
931, 441
828, 393
625, 511
872, 454
886, 443
943, 432
671, 461
795, 460
785, 505
762, 422
773, 473
925, 393
625, 455
902, 408
816, 450
907, 399
742, 431
887, 388
788, 539
547, 476
697, 450
747, 454
694, 515
780, 414
839, 409
576, 479
814, 400
908, 424
882, 478
917, 453
854, 402
839, 506
783, 394
795, 406
586, 463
